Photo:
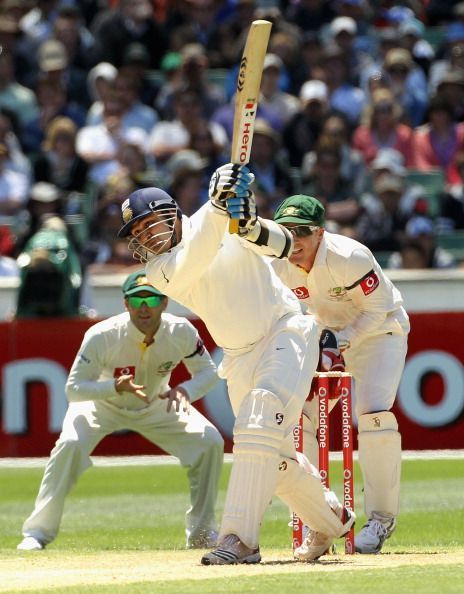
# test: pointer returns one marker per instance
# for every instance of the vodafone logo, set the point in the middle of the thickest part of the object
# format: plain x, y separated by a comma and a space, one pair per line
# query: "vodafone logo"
301, 292
129, 370
370, 283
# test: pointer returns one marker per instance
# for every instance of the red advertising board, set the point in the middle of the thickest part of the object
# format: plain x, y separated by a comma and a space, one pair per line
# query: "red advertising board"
35, 356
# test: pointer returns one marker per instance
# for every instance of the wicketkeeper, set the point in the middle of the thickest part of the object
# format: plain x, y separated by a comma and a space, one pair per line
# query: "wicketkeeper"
343, 286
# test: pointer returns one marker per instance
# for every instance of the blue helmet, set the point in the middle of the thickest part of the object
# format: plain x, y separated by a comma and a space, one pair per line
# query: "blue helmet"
141, 203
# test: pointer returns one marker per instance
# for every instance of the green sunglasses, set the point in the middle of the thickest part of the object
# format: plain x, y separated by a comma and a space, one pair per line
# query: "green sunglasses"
152, 301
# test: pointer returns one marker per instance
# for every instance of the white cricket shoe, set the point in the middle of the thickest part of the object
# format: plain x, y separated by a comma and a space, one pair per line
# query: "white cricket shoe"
374, 533
317, 544
231, 552
29, 543
206, 539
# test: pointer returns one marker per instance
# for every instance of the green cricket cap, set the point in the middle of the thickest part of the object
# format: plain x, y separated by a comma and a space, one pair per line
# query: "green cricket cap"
301, 209
138, 282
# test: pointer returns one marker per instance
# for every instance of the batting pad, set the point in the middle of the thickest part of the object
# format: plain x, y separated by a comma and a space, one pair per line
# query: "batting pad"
379, 450
258, 434
304, 494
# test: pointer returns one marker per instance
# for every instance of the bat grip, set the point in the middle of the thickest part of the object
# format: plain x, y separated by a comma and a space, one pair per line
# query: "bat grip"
233, 225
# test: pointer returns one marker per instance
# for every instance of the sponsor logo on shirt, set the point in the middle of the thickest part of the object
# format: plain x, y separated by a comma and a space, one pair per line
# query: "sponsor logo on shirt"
128, 370
370, 283
301, 292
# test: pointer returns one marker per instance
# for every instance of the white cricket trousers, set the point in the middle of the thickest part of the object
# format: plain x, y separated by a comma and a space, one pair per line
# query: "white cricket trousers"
189, 436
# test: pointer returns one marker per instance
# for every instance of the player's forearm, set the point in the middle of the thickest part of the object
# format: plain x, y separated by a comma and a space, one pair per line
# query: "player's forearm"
202, 380
270, 239
80, 391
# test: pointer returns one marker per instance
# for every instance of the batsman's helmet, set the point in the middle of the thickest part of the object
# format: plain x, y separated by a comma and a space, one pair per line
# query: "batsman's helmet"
141, 203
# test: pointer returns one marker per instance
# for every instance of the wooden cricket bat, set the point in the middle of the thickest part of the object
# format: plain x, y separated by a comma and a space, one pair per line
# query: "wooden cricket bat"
247, 94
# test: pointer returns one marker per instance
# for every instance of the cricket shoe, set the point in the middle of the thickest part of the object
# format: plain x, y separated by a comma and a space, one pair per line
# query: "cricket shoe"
29, 543
317, 544
374, 533
231, 551
205, 539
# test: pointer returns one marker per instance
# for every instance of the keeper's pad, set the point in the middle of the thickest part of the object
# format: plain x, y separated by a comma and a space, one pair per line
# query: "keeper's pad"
271, 238
379, 450
258, 434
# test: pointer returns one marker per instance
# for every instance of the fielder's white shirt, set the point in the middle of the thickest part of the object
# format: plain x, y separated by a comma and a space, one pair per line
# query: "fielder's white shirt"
346, 290
115, 347
224, 280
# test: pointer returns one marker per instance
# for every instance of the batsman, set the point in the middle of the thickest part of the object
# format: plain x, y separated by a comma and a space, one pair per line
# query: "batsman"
270, 349
365, 328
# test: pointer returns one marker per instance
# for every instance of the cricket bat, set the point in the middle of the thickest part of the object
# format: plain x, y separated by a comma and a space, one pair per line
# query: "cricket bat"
246, 96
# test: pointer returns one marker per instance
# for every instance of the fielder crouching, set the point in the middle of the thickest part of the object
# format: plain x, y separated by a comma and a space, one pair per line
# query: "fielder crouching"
120, 380
270, 348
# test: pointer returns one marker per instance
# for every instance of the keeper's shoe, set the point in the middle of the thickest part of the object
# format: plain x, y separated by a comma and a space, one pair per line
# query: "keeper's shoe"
29, 543
374, 533
231, 551
206, 539
317, 544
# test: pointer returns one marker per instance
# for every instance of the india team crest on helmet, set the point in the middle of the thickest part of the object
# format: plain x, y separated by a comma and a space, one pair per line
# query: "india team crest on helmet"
127, 213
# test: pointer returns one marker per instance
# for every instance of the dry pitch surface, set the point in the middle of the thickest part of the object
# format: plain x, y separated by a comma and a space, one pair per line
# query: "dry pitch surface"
33, 571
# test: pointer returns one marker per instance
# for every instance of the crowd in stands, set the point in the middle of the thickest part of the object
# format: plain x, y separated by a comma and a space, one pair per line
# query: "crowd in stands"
362, 106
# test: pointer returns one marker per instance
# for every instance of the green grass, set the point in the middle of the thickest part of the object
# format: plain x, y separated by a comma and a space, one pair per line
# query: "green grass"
141, 508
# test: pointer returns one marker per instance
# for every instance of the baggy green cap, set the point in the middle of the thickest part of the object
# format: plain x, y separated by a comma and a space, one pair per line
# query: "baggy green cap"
301, 209
138, 282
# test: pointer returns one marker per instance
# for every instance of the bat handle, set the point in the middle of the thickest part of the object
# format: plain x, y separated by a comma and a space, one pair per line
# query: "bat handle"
233, 225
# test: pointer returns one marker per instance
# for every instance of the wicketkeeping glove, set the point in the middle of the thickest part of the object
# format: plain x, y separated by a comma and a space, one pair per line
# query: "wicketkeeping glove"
331, 358
226, 180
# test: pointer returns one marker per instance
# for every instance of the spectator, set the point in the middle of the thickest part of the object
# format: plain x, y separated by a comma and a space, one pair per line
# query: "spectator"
69, 28
9, 136
452, 214
18, 99
408, 84
50, 273
272, 179
100, 83
43, 200
38, 21
302, 131
336, 127
127, 89
167, 137
194, 76
130, 21
419, 248
327, 184
170, 66
285, 104
451, 87
309, 63
310, 15
135, 66
343, 96
187, 183
437, 142
411, 36
381, 127
14, 185
53, 102
54, 64
213, 154
231, 34
58, 162
381, 223
451, 63
98, 145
